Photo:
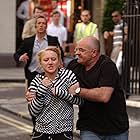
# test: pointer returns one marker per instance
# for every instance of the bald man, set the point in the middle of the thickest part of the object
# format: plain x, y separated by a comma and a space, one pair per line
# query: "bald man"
103, 114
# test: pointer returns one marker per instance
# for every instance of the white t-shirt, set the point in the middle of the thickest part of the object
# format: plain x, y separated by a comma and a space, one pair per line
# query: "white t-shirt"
58, 31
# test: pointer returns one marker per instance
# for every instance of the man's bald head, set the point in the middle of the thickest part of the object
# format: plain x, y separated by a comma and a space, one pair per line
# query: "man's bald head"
91, 42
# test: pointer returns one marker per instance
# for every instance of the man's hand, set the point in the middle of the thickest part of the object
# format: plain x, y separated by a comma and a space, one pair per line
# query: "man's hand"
24, 58
29, 96
73, 88
106, 35
111, 33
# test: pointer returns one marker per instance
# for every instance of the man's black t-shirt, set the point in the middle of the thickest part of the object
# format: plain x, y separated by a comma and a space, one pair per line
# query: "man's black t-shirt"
102, 118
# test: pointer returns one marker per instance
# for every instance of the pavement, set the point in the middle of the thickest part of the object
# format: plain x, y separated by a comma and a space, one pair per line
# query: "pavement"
14, 77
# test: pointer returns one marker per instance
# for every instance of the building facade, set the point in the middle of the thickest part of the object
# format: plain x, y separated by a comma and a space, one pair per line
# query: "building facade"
8, 31
7, 26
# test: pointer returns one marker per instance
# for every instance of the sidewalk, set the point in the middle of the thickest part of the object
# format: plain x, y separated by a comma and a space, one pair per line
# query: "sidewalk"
15, 77
12, 74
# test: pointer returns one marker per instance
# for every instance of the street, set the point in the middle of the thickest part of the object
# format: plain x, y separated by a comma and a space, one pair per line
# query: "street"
15, 127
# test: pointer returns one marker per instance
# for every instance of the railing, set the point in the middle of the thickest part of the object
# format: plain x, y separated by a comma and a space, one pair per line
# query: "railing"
131, 49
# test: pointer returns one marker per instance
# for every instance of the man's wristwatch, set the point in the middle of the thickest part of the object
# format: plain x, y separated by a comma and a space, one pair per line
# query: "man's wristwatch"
77, 91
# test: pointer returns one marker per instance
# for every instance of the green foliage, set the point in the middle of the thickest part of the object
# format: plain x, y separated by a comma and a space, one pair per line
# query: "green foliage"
110, 6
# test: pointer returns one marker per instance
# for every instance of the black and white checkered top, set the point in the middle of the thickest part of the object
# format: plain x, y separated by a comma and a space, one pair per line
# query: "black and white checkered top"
54, 114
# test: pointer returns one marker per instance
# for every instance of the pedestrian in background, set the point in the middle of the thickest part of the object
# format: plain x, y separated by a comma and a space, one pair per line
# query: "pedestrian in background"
119, 35
23, 11
85, 28
29, 27
54, 4
32, 45
57, 29
103, 115
49, 101
22, 15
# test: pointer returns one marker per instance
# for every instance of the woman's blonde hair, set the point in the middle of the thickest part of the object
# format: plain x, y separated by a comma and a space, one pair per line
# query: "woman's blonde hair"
49, 48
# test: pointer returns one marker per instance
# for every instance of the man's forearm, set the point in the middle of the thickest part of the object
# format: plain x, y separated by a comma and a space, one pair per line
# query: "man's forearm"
102, 94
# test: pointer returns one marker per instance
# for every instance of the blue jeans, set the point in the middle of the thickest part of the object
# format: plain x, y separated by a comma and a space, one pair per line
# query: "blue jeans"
88, 135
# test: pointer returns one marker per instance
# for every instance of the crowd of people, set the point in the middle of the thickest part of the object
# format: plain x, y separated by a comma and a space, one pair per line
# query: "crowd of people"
26, 13
91, 80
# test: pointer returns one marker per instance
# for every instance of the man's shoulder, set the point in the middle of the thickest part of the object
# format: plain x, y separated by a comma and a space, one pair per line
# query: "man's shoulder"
92, 23
32, 20
52, 37
105, 59
106, 62
30, 38
62, 28
79, 23
72, 64
52, 40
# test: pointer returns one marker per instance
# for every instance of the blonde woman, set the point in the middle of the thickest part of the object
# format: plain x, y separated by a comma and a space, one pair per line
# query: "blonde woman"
52, 104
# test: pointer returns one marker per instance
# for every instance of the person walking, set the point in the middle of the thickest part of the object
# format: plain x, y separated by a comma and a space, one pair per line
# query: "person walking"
29, 26
32, 45
119, 35
51, 103
22, 15
54, 4
23, 10
103, 115
57, 29
86, 27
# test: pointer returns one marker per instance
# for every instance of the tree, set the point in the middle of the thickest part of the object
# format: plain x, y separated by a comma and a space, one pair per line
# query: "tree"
110, 6
107, 24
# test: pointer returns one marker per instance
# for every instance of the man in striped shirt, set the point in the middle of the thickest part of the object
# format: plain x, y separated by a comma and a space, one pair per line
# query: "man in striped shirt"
119, 35
119, 28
